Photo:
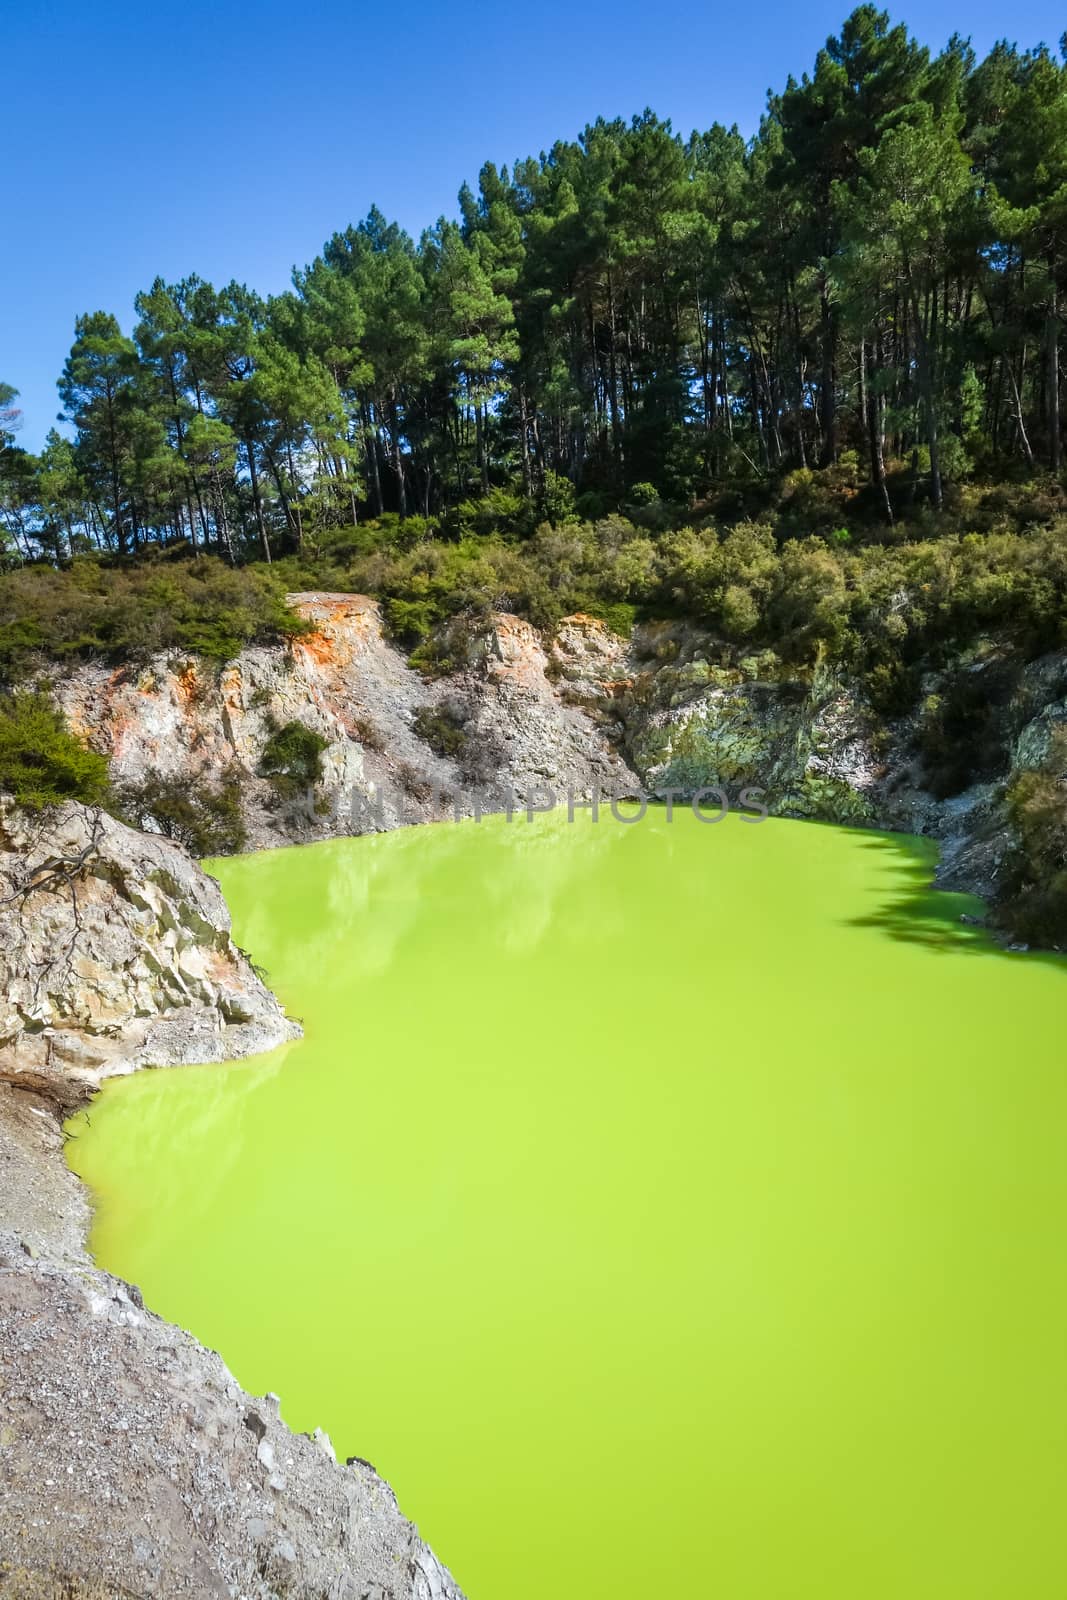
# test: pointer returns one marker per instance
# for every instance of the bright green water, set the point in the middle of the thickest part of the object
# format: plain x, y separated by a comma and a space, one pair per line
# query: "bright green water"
666, 1210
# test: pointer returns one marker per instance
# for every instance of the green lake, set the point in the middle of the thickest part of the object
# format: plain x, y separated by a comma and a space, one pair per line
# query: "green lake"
665, 1209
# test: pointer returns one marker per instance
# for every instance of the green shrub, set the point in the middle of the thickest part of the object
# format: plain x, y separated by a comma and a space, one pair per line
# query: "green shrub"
41, 762
414, 782
1033, 899
495, 512
891, 687
431, 659
203, 817
808, 609
411, 621
441, 727
618, 616
591, 505
292, 758
200, 606
557, 498
448, 648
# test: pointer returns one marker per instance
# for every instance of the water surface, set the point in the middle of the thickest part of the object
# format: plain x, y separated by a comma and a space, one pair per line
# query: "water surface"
665, 1210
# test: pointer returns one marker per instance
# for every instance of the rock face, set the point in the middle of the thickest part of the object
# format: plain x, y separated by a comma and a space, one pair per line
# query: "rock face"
131, 1463
115, 953
345, 682
585, 710
806, 744
528, 716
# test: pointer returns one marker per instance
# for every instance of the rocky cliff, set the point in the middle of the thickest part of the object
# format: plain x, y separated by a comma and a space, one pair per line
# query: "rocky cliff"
668, 709
131, 1463
500, 720
116, 953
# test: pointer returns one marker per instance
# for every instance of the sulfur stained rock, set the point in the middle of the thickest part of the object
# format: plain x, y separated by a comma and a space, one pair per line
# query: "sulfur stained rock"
672, 708
347, 682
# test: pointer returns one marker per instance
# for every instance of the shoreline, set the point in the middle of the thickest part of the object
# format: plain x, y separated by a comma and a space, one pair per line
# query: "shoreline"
101, 1329
131, 1461
917, 852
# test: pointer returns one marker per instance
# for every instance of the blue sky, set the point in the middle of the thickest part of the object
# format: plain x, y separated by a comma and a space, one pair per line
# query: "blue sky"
232, 138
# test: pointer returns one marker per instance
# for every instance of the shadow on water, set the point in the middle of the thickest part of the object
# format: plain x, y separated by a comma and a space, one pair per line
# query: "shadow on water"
939, 919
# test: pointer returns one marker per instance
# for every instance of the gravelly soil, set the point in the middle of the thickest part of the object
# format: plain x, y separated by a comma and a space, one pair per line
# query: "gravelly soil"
131, 1463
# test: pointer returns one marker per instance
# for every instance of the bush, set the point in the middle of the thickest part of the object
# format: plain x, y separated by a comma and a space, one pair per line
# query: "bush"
369, 734
591, 505
557, 498
726, 582
618, 617
808, 609
292, 758
414, 782
41, 762
199, 606
891, 687
441, 727
204, 818
1033, 902
495, 512
410, 621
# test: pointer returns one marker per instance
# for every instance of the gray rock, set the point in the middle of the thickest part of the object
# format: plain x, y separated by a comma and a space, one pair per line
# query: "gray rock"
115, 953
143, 1509
130, 1461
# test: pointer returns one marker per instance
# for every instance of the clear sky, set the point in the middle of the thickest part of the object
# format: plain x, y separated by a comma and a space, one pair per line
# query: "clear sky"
232, 137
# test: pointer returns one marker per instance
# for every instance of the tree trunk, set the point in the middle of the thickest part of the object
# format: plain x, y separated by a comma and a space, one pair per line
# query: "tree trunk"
802, 454
923, 343
875, 436
257, 503
1053, 362
222, 522
275, 473
827, 387
479, 434
1024, 438
116, 492
398, 467
616, 425
371, 435
296, 492
524, 430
